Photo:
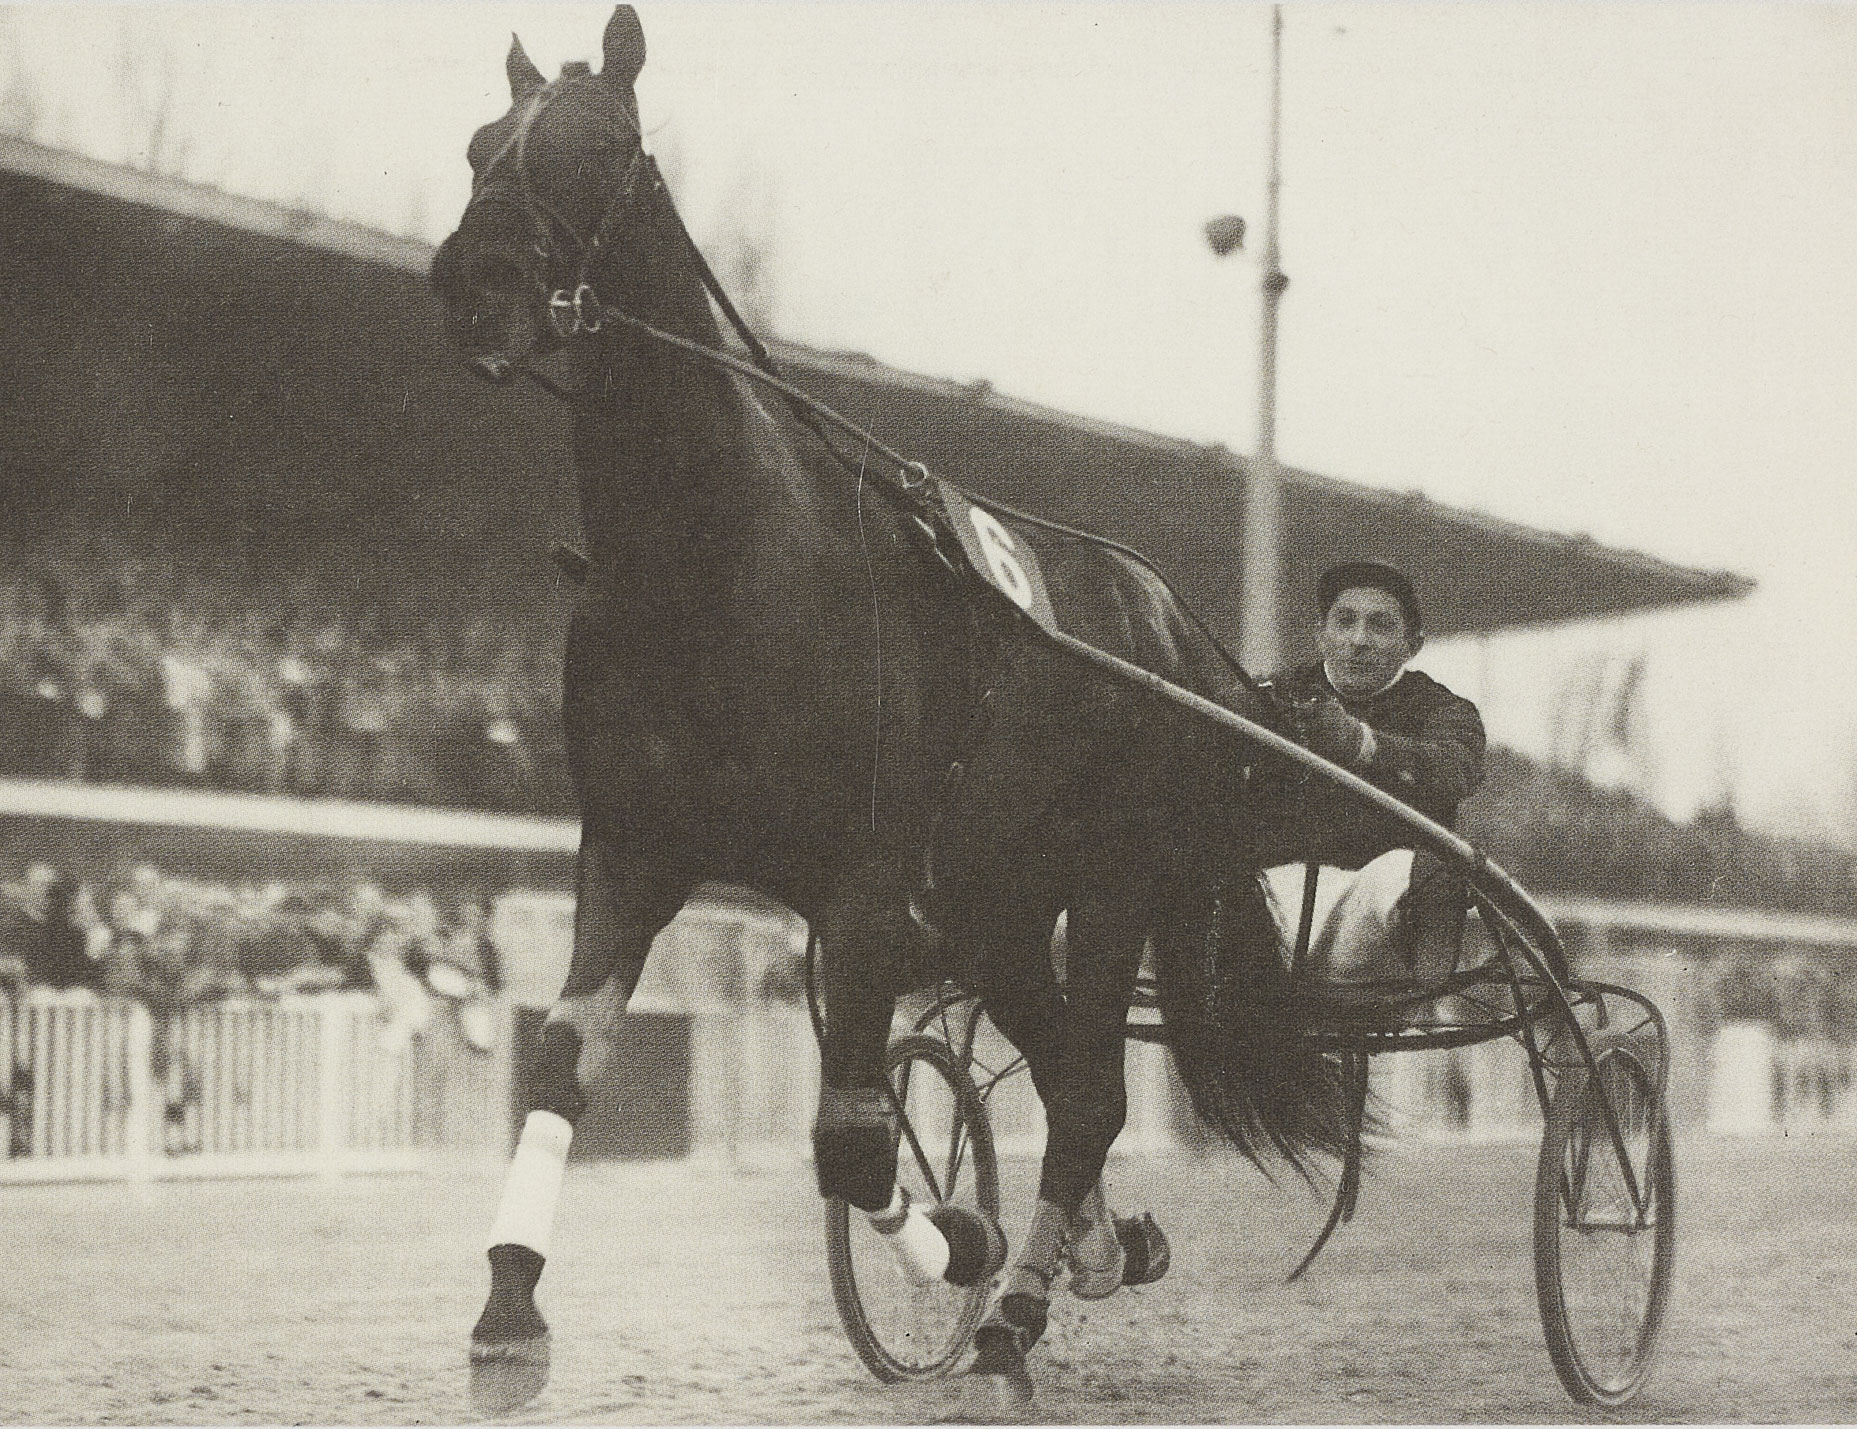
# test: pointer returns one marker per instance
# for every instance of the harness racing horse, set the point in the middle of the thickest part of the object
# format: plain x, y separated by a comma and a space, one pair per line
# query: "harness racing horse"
781, 675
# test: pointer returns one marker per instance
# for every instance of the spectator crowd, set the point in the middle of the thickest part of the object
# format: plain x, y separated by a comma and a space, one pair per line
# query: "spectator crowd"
171, 942
1559, 833
137, 669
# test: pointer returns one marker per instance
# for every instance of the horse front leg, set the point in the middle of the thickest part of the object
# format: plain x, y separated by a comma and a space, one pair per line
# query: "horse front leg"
615, 919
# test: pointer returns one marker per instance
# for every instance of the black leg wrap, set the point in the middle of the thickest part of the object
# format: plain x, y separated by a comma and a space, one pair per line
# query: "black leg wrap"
557, 1072
998, 1375
510, 1313
976, 1246
1016, 1324
1145, 1252
854, 1146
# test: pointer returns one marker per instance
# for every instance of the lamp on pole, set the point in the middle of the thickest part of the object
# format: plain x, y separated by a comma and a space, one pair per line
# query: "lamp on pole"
1260, 640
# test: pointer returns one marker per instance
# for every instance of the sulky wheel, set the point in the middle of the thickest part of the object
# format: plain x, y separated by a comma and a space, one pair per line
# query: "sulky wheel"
903, 1329
1605, 1223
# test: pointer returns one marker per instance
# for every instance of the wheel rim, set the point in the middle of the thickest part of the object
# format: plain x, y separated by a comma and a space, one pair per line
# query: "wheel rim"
1612, 1223
904, 1329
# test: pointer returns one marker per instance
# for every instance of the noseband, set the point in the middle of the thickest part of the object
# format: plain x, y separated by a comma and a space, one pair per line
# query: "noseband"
576, 309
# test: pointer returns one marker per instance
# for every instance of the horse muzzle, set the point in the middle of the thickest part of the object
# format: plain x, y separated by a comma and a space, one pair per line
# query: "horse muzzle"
497, 338
490, 301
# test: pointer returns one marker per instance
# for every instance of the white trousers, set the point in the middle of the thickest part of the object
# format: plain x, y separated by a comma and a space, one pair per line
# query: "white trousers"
1351, 938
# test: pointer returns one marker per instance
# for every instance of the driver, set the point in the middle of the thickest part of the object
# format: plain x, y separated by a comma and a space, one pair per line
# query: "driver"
1387, 918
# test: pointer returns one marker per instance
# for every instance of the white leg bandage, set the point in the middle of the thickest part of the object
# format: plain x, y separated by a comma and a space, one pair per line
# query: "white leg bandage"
532, 1187
1038, 1259
917, 1242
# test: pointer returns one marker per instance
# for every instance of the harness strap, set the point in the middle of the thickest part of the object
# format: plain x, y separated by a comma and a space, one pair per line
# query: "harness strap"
978, 721
1312, 873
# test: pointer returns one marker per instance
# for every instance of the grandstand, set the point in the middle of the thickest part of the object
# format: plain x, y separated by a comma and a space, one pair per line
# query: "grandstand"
275, 610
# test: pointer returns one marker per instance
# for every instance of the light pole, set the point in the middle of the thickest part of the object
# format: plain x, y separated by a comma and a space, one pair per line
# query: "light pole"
1260, 641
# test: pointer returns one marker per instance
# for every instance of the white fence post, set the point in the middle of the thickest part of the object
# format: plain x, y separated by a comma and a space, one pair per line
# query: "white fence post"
144, 1109
1741, 1068
331, 1088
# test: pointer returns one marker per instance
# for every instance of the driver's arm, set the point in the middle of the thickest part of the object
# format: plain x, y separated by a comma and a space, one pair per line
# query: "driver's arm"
1438, 766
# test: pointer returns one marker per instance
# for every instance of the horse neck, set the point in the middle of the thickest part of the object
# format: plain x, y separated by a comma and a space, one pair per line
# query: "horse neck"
654, 440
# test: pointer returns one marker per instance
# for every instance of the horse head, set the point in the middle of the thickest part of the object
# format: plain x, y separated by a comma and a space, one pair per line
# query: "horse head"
553, 183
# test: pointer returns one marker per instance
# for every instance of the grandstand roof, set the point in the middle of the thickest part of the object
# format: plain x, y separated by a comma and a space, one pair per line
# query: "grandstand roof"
280, 368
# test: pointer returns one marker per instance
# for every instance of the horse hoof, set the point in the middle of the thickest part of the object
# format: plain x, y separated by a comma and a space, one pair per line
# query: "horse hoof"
1099, 1277
976, 1245
507, 1374
1145, 1252
997, 1388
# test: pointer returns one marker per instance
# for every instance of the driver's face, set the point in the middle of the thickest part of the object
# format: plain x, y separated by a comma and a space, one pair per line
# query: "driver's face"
1364, 641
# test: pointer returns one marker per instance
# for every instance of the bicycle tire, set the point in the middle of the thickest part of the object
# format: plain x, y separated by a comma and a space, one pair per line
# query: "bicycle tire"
1604, 1258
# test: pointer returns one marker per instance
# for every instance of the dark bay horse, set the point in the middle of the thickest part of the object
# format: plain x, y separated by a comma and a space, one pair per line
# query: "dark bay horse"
776, 679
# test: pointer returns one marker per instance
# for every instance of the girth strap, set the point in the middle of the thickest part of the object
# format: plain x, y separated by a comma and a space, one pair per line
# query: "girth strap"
979, 720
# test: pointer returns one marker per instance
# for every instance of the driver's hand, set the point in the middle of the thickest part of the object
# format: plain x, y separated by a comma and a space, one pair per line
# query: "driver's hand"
1335, 734
1287, 713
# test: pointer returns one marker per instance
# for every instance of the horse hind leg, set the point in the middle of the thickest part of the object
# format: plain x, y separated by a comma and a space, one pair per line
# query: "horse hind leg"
997, 1387
510, 1349
857, 1132
1085, 1106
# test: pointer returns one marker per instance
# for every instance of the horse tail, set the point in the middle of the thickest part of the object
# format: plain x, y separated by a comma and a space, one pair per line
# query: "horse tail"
1248, 1070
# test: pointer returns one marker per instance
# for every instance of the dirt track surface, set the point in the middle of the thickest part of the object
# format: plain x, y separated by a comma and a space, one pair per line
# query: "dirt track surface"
694, 1294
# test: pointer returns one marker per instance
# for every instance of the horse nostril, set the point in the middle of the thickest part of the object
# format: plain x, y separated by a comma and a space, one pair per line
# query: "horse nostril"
492, 367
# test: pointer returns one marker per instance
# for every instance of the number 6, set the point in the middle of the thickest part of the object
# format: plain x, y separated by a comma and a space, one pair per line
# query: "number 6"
1002, 560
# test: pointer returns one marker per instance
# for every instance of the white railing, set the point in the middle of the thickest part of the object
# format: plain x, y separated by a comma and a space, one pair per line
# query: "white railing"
73, 1074
1763, 1085
96, 1088
756, 1076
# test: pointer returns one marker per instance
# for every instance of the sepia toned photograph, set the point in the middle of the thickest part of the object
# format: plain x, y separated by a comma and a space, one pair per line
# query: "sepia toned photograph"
883, 712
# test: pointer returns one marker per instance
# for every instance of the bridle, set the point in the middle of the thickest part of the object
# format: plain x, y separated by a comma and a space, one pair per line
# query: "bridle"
557, 245
577, 310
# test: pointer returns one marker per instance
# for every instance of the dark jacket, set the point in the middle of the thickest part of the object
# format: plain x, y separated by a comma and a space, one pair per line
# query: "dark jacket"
1429, 754
52, 948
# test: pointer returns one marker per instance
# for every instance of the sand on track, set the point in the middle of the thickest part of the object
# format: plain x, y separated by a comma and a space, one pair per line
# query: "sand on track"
694, 1293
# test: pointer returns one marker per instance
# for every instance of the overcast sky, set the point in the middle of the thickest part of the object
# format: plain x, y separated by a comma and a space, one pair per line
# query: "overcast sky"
1589, 267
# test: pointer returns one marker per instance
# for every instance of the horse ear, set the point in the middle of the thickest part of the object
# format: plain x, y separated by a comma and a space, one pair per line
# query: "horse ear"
524, 77
624, 47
